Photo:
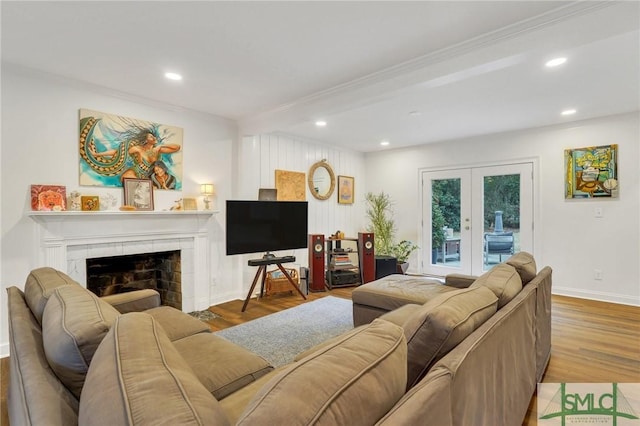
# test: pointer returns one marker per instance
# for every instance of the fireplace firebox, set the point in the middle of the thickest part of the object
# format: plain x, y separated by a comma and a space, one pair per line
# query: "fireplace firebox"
160, 271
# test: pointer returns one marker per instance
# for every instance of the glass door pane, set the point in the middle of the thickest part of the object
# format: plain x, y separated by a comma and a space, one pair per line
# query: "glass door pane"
502, 199
445, 217
501, 206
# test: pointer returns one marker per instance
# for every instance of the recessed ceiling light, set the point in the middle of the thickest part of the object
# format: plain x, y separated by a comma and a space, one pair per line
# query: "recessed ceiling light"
415, 113
173, 76
384, 143
555, 62
568, 112
321, 123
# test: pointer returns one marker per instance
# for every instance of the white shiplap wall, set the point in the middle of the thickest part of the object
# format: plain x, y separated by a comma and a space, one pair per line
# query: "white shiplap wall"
258, 158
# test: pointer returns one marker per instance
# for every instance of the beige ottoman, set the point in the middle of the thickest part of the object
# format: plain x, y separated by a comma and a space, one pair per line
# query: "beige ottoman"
378, 297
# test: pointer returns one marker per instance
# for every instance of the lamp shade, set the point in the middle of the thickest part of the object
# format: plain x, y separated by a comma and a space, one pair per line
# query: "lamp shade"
207, 189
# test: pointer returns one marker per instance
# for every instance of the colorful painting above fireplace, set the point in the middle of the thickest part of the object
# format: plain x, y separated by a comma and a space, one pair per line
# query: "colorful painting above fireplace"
113, 148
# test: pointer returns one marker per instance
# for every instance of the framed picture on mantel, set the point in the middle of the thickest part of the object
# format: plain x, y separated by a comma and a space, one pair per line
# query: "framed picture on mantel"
138, 193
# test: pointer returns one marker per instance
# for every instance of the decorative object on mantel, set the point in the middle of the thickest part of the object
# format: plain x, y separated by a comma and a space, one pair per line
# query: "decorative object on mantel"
113, 148
206, 189
177, 206
138, 193
90, 203
48, 197
191, 204
345, 189
290, 185
74, 201
591, 172
127, 208
108, 201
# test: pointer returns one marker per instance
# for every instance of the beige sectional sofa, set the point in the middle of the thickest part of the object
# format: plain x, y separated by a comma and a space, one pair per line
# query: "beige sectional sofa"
124, 360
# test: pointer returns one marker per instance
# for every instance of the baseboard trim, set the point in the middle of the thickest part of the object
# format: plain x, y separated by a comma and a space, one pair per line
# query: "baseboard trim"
4, 350
597, 295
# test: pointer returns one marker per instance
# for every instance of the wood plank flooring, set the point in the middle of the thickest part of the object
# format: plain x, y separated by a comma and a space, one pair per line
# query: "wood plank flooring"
591, 341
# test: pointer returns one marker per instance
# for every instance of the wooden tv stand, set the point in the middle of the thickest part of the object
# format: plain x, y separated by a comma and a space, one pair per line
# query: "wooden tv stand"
262, 264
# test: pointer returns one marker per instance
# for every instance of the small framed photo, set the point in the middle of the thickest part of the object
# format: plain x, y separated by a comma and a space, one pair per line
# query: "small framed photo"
189, 204
138, 193
89, 203
48, 198
345, 189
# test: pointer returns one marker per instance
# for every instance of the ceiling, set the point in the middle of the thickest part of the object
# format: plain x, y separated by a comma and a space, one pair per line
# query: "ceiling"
463, 68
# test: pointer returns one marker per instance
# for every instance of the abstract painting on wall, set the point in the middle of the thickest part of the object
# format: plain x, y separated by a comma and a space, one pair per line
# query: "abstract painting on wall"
290, 186
591, 172
113, 148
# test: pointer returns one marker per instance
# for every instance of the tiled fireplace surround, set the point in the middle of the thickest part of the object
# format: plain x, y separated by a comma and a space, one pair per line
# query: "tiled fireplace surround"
67, 239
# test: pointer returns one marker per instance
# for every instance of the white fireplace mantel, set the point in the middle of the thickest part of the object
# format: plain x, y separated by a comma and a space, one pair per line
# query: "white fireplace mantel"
67, 239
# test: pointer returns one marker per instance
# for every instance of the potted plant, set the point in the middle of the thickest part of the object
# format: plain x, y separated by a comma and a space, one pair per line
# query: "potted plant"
380, 214
401, 252
437, 232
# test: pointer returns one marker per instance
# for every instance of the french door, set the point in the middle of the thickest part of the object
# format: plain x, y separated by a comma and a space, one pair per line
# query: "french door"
474, 218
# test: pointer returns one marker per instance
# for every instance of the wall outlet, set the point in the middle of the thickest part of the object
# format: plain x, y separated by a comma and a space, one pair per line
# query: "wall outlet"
597, 274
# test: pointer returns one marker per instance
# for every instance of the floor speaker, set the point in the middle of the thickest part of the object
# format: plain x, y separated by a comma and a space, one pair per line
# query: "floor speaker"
315, 279
366, 257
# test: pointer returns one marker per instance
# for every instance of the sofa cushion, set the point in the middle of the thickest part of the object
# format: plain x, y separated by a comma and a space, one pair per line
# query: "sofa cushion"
393, 291
74, 323
525, 264
176, 323
503, 280
40, 284
221, 366
439, 325
138, 378
354, 381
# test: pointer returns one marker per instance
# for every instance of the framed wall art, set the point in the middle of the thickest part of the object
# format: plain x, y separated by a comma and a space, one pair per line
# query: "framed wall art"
138, 193
345, 189
114, 147
591, 172
290, 186
48, 198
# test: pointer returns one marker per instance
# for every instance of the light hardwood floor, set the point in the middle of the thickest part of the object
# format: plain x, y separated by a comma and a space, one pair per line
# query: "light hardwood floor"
591, 341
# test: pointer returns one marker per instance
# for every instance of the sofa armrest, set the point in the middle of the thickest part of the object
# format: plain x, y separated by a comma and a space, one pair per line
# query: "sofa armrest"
134, 301
459, 280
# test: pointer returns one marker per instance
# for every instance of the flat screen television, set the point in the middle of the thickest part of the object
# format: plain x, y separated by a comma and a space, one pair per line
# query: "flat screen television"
265, 226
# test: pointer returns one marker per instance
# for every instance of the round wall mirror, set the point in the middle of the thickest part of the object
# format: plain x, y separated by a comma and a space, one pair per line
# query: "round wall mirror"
321, 180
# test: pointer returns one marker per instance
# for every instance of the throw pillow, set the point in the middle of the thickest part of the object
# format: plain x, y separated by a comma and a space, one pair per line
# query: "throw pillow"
137, 377
41, 282
525, 264
503, 280
441, 324
74, 323
360, 376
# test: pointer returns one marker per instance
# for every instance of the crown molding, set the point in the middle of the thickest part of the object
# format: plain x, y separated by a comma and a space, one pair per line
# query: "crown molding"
396, 72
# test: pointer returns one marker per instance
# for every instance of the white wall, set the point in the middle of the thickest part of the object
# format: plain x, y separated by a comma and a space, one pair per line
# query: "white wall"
258, 158
39, 146
568, 237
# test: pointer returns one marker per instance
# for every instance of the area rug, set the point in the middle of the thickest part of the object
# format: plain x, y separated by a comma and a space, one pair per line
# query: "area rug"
279, 337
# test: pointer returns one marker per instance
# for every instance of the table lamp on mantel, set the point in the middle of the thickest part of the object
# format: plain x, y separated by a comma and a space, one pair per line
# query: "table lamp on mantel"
207, 189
